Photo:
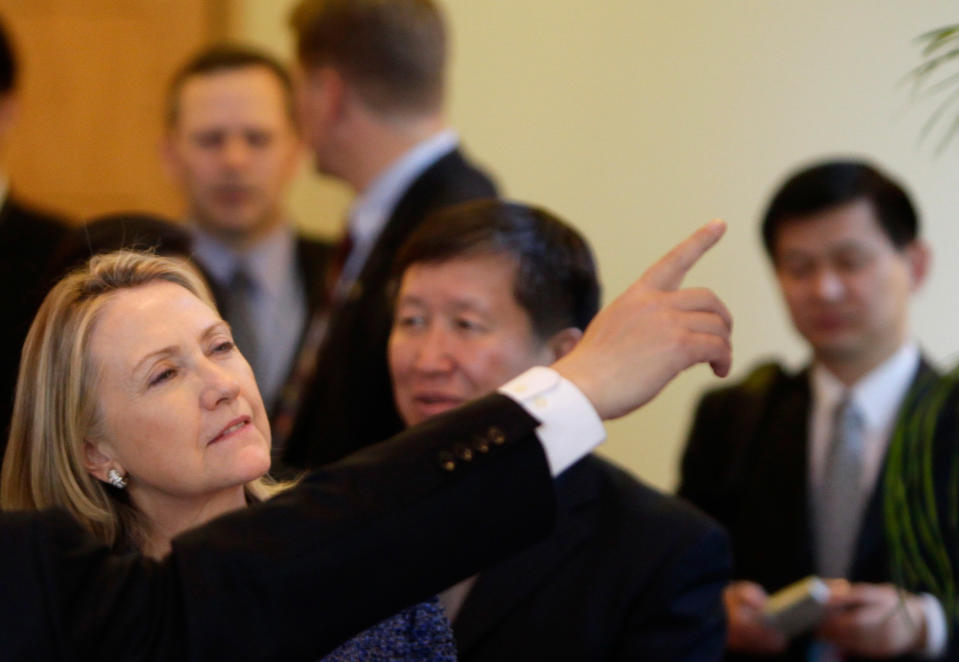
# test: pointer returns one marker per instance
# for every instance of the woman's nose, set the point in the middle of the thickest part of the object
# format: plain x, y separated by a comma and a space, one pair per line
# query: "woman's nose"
219, 385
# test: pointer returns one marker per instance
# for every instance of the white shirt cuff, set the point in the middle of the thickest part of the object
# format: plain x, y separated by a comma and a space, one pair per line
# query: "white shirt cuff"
569, 426
936, 630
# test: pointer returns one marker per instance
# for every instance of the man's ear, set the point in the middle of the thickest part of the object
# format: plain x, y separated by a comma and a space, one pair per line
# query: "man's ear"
334, 92
562, 342
98, 460
919, 257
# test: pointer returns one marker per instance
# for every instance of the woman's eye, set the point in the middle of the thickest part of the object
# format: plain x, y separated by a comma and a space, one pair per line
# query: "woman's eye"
224, 347
163, 376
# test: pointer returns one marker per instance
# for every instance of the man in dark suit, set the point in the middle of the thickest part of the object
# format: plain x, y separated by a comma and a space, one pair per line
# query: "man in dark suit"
232, 144
486, 290
373, 100
28, 238
291, 578
792, 464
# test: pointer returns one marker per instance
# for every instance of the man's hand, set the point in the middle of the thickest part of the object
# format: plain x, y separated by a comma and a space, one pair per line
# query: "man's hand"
651, 333
874, 620
748, 629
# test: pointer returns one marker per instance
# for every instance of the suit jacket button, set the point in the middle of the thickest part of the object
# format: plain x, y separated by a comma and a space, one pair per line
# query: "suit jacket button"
447, 463
496, 436
462, 452
480, 445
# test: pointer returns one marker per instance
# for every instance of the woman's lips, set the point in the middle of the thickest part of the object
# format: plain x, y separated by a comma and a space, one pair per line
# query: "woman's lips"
232, 428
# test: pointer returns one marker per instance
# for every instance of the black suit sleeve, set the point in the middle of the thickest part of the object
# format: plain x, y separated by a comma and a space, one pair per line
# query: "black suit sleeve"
292, 578
689, 622
704, 477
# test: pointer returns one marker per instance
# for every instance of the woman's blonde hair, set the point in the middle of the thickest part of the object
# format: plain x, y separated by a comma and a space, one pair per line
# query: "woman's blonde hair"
55, 408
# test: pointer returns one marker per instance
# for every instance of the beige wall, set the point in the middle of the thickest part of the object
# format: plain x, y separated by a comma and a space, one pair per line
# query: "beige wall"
638, 120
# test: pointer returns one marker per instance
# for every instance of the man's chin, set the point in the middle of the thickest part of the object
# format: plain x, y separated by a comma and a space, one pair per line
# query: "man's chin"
424, 411
839, 349
235, 229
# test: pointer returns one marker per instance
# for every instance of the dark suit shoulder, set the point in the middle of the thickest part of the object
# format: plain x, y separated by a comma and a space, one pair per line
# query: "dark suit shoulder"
724, 432
29, 233
314, 255
454, 179
18, 211
760, 381
673, 558
636, 503
451, 180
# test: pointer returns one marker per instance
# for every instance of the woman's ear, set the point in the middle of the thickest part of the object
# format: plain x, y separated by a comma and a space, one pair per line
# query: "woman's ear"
562, 342
98, 461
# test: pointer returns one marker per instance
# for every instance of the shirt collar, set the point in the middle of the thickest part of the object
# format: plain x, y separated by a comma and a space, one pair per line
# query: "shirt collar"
372, 208
877, 394
269, 262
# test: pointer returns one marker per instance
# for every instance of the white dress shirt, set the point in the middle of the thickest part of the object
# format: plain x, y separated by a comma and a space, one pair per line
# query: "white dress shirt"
878, 397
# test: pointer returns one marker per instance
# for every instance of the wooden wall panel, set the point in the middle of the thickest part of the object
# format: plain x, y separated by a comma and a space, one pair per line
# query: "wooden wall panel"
92, 85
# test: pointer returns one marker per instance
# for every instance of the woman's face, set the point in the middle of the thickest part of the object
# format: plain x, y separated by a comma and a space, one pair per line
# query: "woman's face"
178, 407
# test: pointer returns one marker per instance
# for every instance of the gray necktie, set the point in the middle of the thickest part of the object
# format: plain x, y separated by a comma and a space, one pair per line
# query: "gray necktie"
240, 312
839, 502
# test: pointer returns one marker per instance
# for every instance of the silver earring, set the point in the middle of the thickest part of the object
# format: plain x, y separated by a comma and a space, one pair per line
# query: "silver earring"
116, 479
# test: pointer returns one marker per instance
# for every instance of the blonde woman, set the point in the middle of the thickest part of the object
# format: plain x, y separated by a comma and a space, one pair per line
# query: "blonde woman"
136, 413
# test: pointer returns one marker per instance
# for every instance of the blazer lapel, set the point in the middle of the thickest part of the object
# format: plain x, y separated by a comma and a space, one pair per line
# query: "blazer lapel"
872, 529
497, 591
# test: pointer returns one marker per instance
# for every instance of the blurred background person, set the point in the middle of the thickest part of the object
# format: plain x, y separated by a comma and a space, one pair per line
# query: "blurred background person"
791, 464
373, 84
233, 147
487, 290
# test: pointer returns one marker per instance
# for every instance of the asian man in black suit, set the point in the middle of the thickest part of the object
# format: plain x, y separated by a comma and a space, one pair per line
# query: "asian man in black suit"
373, 93
486, 290
792, 464
281, 579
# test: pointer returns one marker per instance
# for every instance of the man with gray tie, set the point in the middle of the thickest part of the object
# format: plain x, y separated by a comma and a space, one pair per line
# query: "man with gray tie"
233, 146
791, 463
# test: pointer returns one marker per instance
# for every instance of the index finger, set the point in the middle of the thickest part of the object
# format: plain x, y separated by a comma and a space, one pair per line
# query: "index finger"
668, 272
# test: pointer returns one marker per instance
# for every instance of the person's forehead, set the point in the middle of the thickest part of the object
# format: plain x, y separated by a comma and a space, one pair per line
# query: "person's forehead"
249, 94
138, 320
484, 272
849, 224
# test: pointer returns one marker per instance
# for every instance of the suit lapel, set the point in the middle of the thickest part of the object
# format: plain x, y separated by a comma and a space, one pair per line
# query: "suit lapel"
498, 591
872, 529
